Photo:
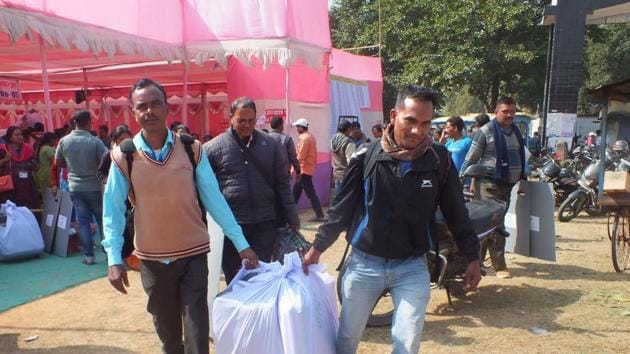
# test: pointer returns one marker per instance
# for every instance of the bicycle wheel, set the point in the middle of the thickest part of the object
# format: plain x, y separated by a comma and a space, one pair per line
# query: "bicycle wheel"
620, 243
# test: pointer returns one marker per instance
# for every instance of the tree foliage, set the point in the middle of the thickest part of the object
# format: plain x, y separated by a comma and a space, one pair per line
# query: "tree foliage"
461, 103
606, 60
488, 47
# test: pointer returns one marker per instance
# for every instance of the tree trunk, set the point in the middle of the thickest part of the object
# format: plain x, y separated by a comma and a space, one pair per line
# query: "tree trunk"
494, 94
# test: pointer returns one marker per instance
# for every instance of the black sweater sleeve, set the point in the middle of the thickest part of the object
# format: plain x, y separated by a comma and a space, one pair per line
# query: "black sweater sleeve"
345, 204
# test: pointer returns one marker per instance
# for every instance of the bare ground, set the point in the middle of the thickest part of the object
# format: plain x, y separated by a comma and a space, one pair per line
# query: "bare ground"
578, 303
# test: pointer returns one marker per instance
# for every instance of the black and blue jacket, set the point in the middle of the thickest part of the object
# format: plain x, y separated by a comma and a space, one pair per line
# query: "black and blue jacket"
387, 209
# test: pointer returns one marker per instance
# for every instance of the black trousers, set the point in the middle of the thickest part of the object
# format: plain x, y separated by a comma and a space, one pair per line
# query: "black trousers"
178, 295
306, 183
261, 238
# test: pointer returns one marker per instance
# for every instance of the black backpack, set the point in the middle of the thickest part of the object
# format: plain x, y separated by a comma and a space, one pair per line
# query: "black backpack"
128, 148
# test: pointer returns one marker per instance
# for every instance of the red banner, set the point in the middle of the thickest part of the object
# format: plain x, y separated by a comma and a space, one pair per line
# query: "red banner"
270, 113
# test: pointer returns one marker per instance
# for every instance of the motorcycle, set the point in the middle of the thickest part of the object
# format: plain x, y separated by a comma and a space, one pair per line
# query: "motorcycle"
564, 181
585, 197
447, 267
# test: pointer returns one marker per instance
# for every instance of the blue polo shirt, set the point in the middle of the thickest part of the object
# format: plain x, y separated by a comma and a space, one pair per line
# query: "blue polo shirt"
459, 149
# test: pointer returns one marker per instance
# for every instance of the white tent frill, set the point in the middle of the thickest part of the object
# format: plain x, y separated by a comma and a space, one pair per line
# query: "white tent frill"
84, 37
283, 51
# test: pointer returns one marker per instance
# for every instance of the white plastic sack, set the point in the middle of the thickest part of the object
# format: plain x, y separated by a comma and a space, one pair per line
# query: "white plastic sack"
21, 237
277, 309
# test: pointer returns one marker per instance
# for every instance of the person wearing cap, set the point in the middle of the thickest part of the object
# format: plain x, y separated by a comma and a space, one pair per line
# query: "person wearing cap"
307, 155
342, 148
591, 140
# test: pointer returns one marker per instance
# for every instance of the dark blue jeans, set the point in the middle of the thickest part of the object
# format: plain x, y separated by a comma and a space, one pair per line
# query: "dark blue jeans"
88, 206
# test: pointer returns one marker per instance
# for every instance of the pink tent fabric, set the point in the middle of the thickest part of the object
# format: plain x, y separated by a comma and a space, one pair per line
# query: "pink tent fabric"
360, 68
195, 20
305, 84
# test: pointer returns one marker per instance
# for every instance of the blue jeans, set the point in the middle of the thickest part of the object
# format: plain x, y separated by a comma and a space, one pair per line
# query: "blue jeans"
88, 206
365, 279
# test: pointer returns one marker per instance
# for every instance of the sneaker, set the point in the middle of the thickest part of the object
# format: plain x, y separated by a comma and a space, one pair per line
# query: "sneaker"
89, 260
316, 219
504, 274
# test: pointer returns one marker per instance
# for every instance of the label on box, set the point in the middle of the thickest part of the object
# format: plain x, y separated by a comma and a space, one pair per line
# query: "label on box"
62, 222
49, 220
534, 223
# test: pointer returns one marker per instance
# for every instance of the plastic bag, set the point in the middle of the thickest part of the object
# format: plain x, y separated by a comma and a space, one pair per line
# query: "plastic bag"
21, 238
277, 309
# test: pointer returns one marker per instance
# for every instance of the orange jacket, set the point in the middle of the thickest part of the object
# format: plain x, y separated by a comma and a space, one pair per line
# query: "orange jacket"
307, 153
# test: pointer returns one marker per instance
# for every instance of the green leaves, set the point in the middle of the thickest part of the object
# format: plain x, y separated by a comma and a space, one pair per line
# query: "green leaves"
482, 46
606, 58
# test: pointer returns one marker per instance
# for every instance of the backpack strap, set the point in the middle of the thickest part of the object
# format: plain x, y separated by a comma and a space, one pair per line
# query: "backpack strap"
128, 148
188, 141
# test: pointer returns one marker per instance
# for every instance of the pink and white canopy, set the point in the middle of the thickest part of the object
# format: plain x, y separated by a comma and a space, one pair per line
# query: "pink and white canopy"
135, 30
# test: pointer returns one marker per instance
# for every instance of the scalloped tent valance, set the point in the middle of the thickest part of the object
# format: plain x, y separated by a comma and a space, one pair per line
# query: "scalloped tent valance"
270, 30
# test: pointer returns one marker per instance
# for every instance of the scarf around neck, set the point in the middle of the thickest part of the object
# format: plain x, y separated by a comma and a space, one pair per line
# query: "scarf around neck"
396, 152
502, 168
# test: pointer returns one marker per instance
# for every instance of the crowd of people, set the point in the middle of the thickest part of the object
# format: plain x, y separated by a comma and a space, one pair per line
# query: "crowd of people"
242, 179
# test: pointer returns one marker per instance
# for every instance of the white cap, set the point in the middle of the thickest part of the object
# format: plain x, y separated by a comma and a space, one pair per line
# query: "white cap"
302, 122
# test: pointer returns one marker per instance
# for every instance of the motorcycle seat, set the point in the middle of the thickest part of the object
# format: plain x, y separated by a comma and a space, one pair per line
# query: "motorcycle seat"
485, 215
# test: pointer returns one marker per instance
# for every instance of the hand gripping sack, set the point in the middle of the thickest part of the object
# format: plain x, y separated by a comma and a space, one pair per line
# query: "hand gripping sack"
277, 309
21, 238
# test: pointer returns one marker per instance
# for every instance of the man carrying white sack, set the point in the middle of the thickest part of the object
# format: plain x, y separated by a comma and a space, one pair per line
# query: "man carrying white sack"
387, 200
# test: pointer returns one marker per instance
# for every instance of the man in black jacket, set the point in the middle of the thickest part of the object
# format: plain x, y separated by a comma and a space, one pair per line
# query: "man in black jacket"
252, 172
387, 200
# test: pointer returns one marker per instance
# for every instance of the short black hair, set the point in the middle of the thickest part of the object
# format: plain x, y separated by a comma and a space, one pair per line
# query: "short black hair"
81, 118
418, 92
456, 121
103, 128
506, 100
481, 119
146, 82
38, 127
174, 125
378, 127
183, 127
120, 130
240, 103
276, 122
344, 125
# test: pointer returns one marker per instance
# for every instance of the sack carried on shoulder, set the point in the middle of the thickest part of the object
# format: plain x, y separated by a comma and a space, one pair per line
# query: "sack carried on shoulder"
6, 183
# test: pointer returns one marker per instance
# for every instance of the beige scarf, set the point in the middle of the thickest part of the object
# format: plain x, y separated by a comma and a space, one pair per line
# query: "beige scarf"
399, 153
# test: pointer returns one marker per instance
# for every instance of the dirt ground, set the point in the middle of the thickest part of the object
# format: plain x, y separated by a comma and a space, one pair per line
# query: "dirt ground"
575, 305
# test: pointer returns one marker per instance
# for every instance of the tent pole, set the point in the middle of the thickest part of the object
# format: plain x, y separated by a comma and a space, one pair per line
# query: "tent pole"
85, 89
42, 58
602, 147
286, 96
185, 93
204, 112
